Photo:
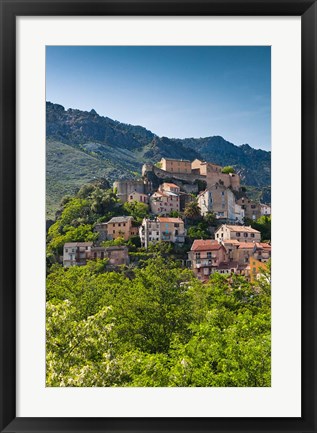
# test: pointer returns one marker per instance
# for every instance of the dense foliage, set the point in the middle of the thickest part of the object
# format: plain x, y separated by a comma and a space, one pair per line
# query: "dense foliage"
156, 326
263, 224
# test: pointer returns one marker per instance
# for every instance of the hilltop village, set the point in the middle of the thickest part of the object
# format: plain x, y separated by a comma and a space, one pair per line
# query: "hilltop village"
175, 192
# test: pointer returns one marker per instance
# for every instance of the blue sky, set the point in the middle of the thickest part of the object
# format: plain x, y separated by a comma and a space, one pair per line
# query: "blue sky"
176, 92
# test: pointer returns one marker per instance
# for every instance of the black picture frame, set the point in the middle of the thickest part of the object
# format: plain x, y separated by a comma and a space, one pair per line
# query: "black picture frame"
10, 9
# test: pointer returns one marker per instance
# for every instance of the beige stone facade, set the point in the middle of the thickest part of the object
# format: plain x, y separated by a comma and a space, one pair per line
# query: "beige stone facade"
124, 188
228, 232
162, 229
121, 227
219, 200
252, 210
176, 165
214, 174
169, 187
242, 252
265, 209
164, 202
76, 253
139, 197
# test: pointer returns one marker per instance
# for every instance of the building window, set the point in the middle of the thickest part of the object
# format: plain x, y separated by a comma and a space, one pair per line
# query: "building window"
252, 235
237, 234
197, 255
119, 224
102, 254
66, 250
113, 231
176, 225
245, 235
86, 248
123, 224
95, 255
253, 206
208, 255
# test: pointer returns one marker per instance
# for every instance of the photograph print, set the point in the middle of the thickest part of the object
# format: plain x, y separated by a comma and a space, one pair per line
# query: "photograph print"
158, 216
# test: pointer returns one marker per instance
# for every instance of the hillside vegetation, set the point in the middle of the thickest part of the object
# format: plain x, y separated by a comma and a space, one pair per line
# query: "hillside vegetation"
82, 145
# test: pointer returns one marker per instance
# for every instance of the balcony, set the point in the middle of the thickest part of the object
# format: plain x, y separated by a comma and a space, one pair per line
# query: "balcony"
204, 262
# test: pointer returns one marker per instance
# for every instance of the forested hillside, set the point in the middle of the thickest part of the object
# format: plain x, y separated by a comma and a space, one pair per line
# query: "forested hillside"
151, 322
82, 145
156, 328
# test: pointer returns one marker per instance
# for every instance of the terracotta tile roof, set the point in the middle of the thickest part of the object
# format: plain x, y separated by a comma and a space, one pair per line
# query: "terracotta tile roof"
246, 245
170, 185
242, 229
169, 220
78, 244
205, 245
263, 245
231, 242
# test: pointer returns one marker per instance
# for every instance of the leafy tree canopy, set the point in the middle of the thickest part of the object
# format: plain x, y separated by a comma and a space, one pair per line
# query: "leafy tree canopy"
228, 169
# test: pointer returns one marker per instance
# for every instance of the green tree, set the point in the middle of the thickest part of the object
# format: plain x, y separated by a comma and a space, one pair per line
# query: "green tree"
210, 219
228, 169
198, 232
263, 224
78, 352
192, 211
137, 210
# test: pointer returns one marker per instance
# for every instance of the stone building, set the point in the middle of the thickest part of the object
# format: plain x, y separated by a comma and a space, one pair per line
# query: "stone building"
262, 252
205, 256
117, 227
139, 197
220, 200
256, 268
241, 252
213, 174
164, 202
116, 255
265, 209
252, 210
228, 232
76, 253
175, 165
162, 229
239, 214
169, 187
124, 188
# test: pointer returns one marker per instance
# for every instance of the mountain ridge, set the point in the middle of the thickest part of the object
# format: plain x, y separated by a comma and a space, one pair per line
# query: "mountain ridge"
118, 150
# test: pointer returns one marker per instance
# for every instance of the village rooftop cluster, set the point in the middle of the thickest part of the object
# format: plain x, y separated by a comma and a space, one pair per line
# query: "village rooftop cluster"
167, 188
